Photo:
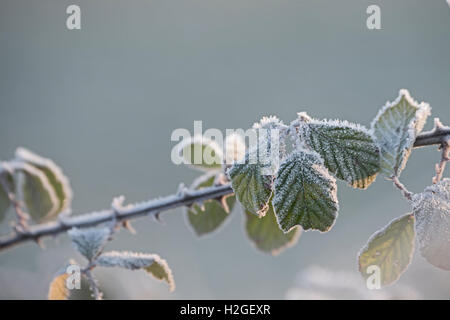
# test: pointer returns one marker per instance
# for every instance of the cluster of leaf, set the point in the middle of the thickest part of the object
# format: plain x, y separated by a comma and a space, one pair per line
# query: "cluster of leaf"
37, 183
301, 192
90, 243
392, 247
42, 191
209, 215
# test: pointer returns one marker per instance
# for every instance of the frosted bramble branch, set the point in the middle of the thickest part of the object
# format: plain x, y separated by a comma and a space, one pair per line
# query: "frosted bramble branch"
438, 136
149, 208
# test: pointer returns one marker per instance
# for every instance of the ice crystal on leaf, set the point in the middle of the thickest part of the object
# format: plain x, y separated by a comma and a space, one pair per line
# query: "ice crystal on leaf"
348, 150
432, 211
234, 148
89, 242
252, 188
305, 193
36, 193
390, 249
395, 129
151, 263
270, 122
54, 174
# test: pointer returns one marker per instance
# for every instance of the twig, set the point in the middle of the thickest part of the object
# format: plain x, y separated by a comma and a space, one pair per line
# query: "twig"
152, 207
445, 151
432, 137
155, 207
406, 193
97, 294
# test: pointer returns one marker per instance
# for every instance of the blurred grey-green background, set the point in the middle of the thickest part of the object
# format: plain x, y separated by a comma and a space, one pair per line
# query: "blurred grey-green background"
103, 101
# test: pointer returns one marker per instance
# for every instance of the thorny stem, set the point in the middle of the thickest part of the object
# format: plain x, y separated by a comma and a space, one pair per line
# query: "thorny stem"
155, 207
97, 294
439, 135
432, 137
445, 147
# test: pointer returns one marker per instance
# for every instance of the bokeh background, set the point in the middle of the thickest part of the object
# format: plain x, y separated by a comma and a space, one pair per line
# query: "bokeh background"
103, 101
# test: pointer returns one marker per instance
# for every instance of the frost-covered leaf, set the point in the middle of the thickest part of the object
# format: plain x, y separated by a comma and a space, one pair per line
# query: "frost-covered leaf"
208, 217
4, 199
4, 204
58, 289
152, 263
270, 122
37, 193
432, 211
390, 249
234, 148
305, 193
201, 153
252, 188
54, 174
266, 235
348, 150
395, 129
90, 241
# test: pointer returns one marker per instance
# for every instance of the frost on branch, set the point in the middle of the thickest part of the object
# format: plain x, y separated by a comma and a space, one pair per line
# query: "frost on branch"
89, 242
348, 150
54, 174
432, 211
305, 193
152, 263
252, 188
266, 235
395, 129
390, 249
211, 214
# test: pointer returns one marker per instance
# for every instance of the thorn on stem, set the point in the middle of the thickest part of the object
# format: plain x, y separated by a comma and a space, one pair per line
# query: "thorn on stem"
157, 217
39, 242
440, 167
127, 225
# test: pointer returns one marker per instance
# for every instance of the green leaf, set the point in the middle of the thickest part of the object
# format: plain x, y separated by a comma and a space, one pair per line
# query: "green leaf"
305, 193
36, 192
395, 129
207, 218
54, 175
348, 150
201, 153
432, 212
90, 241
390, 249
252, 188
152, 263
4, 198
266, 235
